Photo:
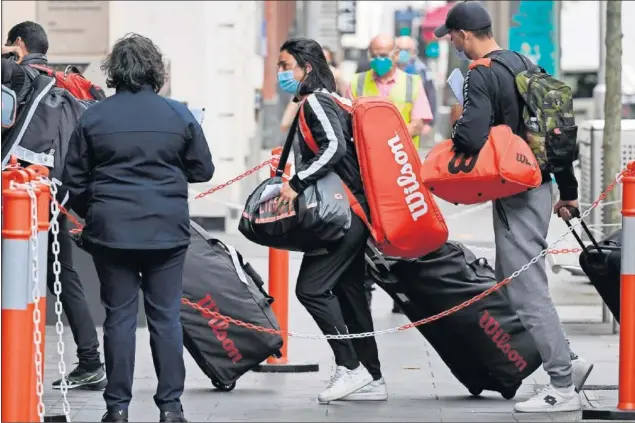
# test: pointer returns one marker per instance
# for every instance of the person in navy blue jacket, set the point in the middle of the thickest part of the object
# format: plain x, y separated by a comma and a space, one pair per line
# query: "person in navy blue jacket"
127, 170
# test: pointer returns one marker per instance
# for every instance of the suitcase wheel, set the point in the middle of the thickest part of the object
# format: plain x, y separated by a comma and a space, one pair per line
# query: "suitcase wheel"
222, 387
475, 392
508, 394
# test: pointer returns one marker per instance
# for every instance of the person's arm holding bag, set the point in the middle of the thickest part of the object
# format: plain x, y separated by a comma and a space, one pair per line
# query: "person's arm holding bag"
322, 118
472, 120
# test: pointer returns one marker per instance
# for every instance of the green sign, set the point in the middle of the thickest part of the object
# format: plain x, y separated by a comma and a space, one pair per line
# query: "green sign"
432, 50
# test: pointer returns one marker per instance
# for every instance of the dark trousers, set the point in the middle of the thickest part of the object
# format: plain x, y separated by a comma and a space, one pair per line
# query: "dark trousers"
73, 299
331, 288
159, 273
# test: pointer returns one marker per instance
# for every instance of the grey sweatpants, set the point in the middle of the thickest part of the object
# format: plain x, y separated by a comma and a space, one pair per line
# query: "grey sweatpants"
521, 223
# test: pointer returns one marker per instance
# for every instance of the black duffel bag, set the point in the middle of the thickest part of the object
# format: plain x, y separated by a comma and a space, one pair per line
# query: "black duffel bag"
317, 218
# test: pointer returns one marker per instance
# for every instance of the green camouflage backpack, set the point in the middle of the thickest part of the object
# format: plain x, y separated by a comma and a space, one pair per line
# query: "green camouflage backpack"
548, 116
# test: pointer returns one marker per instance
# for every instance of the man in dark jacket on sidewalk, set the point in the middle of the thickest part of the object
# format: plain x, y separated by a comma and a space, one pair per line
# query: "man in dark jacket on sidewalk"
30, 42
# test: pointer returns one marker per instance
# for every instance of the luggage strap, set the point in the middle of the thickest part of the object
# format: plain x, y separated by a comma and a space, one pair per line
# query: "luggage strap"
26, 155
288, 144
575, 212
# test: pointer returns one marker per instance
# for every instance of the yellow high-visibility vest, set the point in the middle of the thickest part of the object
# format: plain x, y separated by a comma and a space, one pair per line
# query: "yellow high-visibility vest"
402, 93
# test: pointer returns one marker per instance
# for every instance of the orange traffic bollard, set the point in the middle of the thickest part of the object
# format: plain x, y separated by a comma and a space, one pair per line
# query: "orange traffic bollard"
17, 322
627, 296
279, 279
626, 389
43, 193
279, 290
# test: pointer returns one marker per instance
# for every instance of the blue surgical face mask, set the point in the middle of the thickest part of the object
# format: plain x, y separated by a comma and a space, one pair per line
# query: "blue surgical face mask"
287, 82
404, 57
381, 65
460, 54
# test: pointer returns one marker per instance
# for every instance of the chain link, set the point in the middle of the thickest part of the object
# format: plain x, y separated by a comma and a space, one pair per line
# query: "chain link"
57, 290
35, 296
552, 251
421, 322
236, 179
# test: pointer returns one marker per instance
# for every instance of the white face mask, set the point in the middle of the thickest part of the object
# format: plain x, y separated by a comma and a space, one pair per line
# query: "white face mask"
460, 54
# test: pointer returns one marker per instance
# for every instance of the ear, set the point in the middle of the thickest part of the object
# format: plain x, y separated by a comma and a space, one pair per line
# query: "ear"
309, 68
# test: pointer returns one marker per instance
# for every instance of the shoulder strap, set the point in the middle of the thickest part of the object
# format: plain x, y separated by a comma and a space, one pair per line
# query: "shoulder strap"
42, 68
288, 144
503, 62
529, 65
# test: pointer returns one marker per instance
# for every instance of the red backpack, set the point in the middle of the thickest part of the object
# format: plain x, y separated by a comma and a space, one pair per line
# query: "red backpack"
74, 82
404, 220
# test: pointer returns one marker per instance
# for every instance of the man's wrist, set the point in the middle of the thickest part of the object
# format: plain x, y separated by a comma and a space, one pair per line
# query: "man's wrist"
568, 193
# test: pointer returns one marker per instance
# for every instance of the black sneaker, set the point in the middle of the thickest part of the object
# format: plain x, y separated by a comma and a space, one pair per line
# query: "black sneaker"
81, 378
115, 416
172, 416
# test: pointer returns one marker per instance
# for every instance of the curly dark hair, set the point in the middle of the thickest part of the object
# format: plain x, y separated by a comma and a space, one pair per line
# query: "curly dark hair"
134, 61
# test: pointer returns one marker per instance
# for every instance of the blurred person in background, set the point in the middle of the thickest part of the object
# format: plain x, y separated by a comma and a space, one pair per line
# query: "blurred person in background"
385, 79
127, 170
337, 74
292, 108
410, 62
27, 43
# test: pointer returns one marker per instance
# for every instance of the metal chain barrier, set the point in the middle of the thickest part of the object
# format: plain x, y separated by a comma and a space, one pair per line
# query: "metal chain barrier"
552, 251
236, 179
57, 290
421, 322
35, 296
549, 250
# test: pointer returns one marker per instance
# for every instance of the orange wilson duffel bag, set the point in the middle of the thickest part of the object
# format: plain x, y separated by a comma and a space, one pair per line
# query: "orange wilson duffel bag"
505, 166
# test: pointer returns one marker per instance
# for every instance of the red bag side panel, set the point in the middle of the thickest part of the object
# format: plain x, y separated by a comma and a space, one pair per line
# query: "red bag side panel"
405, 216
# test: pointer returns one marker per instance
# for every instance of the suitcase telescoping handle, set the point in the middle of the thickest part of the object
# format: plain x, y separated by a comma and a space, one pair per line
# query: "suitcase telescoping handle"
575, 212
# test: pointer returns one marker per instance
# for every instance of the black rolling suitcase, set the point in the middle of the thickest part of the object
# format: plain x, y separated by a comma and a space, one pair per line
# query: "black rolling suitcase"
216, 278
601, 262
484, 345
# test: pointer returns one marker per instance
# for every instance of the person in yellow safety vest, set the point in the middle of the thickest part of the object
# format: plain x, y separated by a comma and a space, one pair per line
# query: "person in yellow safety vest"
385, 79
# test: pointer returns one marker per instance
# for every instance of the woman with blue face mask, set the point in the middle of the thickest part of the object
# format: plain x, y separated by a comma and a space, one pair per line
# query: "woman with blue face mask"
331, 285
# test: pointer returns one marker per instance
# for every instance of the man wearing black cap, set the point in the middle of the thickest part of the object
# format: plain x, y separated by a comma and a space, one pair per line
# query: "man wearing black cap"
521, 222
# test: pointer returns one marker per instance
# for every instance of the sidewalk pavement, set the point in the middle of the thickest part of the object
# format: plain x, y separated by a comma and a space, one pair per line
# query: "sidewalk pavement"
421, 388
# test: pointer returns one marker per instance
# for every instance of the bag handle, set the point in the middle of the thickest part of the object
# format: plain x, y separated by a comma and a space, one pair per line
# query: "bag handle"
288, 144
575, 212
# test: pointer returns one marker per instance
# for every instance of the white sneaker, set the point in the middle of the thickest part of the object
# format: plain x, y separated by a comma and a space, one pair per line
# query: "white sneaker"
345, 382
580, 371
374, 391
550, 400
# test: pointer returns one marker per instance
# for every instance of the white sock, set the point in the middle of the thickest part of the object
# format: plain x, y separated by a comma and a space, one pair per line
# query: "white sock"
566, 391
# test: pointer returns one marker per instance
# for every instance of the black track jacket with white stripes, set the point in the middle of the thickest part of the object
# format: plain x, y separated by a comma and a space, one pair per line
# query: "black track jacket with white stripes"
332, 131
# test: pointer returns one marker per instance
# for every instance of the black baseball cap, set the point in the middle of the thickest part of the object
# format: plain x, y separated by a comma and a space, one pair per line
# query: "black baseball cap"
468, 16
